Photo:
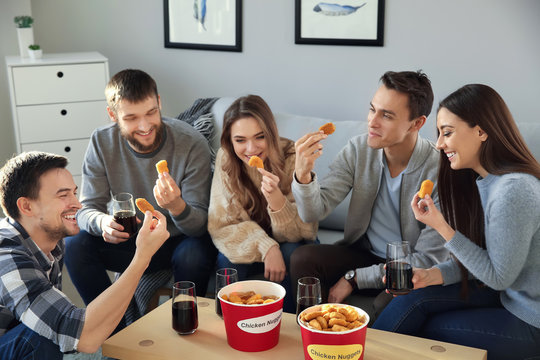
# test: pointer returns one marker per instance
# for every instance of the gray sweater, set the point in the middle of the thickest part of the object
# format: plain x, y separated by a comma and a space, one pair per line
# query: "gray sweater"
511, 260
359, 168
112, 166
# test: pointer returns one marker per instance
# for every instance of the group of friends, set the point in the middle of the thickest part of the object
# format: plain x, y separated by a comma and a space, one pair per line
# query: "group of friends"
475, 241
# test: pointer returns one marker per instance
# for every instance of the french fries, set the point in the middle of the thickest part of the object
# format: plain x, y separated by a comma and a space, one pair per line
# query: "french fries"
248, 298
332, 317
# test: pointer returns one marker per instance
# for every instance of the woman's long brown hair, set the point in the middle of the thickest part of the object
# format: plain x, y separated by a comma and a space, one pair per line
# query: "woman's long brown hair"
249, 195
503, 152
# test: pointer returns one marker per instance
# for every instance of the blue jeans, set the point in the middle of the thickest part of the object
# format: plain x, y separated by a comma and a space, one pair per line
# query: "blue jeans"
439, 313
23, 343
88, 257
246, 270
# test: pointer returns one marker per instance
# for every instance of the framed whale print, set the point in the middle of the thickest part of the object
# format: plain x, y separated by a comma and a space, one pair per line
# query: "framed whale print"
203, 24
343, 22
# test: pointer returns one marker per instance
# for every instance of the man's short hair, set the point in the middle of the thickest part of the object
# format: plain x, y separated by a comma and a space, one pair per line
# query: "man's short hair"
416, 85
131, 85
20, 177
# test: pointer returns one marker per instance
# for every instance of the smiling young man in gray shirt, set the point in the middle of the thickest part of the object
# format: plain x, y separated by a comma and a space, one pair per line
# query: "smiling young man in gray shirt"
384, 169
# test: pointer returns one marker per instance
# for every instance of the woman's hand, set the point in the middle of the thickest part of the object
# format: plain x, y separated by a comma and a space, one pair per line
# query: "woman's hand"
274, 266
426, 277
271, 191
425, 211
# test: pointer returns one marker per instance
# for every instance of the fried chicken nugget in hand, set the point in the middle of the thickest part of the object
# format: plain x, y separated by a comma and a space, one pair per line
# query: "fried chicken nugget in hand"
425, 189
256, 161
162, 166
328, 128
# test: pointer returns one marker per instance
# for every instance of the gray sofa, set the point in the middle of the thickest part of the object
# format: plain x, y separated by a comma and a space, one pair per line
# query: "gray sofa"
294, 126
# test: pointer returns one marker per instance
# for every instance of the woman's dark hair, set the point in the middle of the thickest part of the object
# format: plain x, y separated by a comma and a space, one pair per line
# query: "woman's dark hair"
249, 195
20, 177
504, 151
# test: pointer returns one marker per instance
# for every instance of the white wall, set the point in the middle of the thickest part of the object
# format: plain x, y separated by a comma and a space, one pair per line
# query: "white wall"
455, 42
8, 46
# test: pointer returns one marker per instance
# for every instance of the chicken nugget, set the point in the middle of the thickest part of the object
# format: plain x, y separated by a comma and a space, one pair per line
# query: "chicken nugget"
425, 189
337, 315
266, 301
322, 322
254, 297
315, 324
235, 298
312, 315
225, 297
256, 161
144, 205
255, 302
338, 328
328, 128
335, 321
161, 166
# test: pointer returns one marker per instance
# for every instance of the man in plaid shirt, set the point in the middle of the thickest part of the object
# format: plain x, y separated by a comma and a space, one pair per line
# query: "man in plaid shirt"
37, 320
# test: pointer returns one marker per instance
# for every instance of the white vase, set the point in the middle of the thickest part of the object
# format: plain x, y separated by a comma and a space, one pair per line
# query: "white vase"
26, 38
35, 54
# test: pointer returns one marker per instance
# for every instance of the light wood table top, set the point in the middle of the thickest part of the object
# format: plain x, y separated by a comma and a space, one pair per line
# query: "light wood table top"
152, 337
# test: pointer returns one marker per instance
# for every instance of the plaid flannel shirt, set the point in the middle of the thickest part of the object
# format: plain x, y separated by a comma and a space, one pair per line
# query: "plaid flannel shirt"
30, 289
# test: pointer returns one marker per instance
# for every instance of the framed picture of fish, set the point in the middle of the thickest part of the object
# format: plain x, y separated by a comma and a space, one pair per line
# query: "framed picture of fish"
343, 22
203, 24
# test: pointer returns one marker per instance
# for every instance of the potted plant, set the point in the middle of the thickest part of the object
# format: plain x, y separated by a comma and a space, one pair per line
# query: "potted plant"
35, 51
25, 33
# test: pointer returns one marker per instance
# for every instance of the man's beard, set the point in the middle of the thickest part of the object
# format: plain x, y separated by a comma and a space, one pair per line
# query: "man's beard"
56, 233
160, 130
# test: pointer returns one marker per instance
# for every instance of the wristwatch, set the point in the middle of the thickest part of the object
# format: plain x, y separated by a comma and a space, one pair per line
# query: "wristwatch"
350, 276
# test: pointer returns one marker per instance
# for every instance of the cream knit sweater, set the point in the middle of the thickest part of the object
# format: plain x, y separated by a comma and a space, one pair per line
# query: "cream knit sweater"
239, 238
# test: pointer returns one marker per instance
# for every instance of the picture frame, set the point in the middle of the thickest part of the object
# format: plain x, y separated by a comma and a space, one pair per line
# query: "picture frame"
203, 24
350, 22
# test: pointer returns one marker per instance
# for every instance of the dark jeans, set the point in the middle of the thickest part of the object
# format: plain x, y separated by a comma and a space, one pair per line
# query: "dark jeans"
88, 257
439, 313
23, 343
246, 270
329, 263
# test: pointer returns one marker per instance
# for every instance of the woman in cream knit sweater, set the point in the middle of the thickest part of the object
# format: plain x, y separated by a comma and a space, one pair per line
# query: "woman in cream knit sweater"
252, 216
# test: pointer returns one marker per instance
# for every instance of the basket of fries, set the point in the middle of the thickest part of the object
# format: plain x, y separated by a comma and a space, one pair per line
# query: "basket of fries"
252, 314
333, 331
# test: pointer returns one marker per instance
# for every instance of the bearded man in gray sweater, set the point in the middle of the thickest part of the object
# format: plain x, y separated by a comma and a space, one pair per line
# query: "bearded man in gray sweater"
121, 157
383, 169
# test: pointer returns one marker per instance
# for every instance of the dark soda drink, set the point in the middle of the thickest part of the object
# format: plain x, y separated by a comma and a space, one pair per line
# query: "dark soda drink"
218, 308
305, 302
127, 219
184, 317
399, 278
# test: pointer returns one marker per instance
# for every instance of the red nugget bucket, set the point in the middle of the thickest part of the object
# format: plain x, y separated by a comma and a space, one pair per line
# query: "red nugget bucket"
320, 344
252, 327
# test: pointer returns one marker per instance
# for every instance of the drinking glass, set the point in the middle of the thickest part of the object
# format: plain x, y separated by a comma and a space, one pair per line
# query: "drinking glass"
124, 212
398, 268
185, 319
308, 293
224, 277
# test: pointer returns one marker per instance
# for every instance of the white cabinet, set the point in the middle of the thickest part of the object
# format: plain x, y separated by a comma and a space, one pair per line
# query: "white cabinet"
57, 102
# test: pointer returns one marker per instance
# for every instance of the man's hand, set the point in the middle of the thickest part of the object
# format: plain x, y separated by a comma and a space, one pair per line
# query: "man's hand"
151, 235
271, 191
112, 231
308, 149
340, 291
274, 266
168, 195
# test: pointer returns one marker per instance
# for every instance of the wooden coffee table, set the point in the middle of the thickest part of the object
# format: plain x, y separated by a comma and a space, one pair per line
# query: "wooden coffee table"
152, 337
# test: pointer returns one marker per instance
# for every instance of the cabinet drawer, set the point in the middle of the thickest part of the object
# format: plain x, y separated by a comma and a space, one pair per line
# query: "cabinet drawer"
39, 123
74, 150
59, 83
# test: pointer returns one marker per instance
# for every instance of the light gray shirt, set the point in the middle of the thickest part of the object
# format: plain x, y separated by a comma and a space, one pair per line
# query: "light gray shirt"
358, 168
511, 260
